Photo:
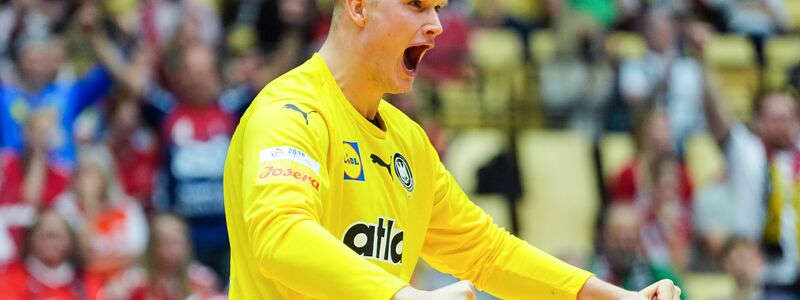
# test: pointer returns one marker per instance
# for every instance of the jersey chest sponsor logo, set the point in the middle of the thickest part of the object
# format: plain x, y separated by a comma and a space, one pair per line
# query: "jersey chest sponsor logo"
353, 168
382, 241
402, 170
287, 173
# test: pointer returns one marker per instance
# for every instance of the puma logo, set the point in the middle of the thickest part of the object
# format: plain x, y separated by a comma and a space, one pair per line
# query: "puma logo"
297, 109
378, 161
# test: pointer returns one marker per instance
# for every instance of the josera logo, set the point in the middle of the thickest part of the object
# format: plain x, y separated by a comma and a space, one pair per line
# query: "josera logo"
378, 241
288, 173
353, 169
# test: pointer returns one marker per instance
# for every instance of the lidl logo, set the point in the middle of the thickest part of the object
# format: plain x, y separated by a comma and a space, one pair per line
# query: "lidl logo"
353, 169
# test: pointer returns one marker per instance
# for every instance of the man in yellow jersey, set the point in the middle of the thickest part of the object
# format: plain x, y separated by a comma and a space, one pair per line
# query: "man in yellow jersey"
332, 193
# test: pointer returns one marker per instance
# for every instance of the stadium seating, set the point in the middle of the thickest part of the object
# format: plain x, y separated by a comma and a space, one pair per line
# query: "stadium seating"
706, 161
461, 106
733, 60
626, 45
542, 45
782, 53
467, 152
793, 9
560, 201
498, 54
708, 286
470, 149
523, 9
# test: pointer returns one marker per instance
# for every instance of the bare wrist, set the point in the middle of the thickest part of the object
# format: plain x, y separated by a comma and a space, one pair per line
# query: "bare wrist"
408, 292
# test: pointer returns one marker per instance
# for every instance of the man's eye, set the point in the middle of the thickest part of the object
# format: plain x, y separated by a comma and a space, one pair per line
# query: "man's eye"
416, 3
438, 8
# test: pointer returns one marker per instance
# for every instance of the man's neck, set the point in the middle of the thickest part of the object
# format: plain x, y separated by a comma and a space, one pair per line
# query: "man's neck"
349, 71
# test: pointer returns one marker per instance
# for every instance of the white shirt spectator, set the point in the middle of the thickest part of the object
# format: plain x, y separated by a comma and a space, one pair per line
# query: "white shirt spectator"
746, 182
682, 95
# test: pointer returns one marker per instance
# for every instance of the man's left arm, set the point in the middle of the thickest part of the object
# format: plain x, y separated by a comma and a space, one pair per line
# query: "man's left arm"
98, 79
462, 240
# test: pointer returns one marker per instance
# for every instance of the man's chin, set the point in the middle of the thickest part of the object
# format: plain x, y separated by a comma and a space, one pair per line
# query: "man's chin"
402, 88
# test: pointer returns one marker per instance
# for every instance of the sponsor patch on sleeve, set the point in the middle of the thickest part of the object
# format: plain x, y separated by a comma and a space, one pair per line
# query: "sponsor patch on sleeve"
286, 172
288, 153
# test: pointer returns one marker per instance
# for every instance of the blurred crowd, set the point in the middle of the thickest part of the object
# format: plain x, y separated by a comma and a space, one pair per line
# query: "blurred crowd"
116, 116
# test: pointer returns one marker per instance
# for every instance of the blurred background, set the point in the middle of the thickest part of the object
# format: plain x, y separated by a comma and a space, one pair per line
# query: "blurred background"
639, 139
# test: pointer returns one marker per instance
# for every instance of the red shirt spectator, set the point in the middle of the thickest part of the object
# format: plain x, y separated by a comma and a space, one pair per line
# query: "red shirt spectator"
626, 188
50, 269
17, 213
37, 282
138, 162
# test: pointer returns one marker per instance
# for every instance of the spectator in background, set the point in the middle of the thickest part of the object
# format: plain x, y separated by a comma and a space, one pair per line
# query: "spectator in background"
579, 57
654, 139
195, 133
665, 78
135, 149
30, 180
621, 260
742, 259
51, 265
111, 225
762, 180
667, 228
37, 63
171, 272
658, 184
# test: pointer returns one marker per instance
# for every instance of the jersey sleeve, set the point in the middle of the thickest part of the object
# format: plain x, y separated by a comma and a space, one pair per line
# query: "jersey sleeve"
283, 178
462, 240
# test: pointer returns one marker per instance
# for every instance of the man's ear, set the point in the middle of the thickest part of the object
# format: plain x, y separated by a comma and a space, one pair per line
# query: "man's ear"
355, 10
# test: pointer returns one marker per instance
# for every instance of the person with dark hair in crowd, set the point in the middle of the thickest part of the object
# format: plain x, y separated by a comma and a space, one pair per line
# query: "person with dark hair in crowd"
111, 225
195, 132
762, 180
171, 271
51, 265
135, 149
30, 181
622, 258
742, 259
657, 182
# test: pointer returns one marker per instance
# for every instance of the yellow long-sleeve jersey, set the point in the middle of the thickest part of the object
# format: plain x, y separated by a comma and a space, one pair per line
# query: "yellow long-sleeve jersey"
322, 204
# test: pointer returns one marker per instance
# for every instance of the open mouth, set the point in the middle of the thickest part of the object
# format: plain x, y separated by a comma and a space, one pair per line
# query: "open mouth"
413, 55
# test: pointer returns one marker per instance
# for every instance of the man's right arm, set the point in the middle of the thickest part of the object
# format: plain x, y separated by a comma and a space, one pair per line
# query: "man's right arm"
719, 120
283, 180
